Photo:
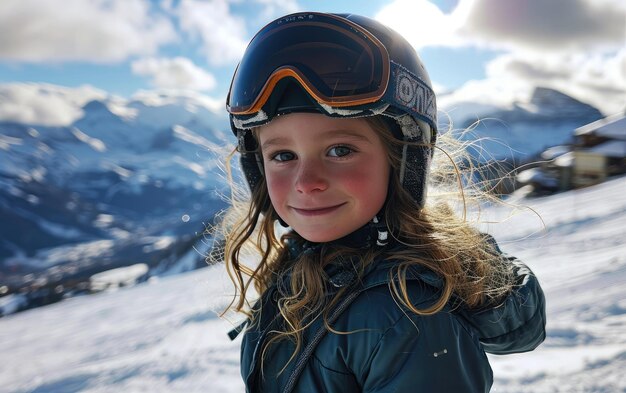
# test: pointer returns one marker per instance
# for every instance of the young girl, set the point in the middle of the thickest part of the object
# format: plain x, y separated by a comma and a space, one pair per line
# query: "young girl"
361, 285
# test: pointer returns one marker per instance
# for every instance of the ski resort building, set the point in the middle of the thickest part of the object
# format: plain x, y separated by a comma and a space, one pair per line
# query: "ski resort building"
598, 151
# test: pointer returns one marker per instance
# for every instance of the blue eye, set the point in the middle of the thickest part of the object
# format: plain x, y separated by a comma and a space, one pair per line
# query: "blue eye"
283, 156
340, 151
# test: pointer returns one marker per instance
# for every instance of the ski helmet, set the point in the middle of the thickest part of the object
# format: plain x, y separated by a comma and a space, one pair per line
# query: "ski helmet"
341, 65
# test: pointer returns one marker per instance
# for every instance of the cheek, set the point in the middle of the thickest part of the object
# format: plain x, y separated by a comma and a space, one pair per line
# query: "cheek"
277, 187
369, 183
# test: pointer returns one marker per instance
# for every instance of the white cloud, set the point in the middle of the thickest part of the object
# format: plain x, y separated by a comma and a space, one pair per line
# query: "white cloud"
438, 88
575, 46
222, 32
174, 73
495, 91
598, 79
421, 23
223, 35
275, 8
78, 30
540, 25
44, 104
52, 105
188, 99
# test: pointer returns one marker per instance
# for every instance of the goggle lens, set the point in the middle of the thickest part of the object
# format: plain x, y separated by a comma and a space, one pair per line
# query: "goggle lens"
336, 61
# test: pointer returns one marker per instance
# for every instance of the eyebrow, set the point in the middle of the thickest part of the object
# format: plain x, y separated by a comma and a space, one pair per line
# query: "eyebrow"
274, 141
333, 133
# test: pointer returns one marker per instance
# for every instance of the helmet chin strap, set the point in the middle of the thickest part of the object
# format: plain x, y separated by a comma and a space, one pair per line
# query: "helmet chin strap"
382, 232
373, 234
376, 225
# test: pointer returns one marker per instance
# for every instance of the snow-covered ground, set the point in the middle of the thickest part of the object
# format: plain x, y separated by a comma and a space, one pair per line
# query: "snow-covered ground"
165, 336
580, 259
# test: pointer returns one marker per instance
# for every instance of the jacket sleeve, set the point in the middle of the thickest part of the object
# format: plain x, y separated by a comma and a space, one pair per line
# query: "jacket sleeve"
518, 322
427, 354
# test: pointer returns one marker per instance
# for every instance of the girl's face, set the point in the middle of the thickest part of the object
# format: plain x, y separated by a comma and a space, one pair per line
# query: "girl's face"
326, 177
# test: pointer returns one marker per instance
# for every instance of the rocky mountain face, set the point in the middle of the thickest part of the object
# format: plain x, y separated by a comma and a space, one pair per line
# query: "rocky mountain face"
106, 191
520, 132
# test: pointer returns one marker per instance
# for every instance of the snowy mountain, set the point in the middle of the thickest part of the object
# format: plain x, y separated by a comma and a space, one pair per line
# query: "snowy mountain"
522, 130
90, 182
165, 336
125, 182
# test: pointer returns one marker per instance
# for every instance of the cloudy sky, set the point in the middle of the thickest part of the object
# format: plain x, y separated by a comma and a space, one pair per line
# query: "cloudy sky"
485, 51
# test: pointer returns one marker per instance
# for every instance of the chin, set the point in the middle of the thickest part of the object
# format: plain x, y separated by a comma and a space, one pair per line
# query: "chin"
325, 233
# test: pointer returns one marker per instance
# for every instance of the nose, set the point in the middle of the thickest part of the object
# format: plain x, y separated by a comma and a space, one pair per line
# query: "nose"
310, 178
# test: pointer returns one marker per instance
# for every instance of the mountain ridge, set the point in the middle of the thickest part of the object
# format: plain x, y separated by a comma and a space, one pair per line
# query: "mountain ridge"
124, 176
523, 130
124, 173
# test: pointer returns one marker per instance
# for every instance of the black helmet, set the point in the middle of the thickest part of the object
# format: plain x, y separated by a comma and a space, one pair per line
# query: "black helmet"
341, 65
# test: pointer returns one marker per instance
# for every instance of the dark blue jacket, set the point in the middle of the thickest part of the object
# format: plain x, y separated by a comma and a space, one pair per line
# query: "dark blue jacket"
391, 349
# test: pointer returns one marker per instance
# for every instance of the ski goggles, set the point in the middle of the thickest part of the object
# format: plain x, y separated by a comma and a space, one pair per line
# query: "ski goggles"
339, 63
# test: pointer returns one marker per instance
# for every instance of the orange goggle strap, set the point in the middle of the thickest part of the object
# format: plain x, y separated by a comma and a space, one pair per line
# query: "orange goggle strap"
292, 72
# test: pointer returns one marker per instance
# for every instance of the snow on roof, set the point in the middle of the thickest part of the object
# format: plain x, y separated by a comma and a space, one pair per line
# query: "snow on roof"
565, 160
536, 175
611, 127
609, 149
554, 152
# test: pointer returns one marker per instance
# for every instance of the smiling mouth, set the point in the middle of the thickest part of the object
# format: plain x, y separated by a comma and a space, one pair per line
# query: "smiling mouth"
317, 211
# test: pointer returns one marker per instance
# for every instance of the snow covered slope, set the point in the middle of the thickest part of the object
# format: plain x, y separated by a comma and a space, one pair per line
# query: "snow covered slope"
164, 336
580, 259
